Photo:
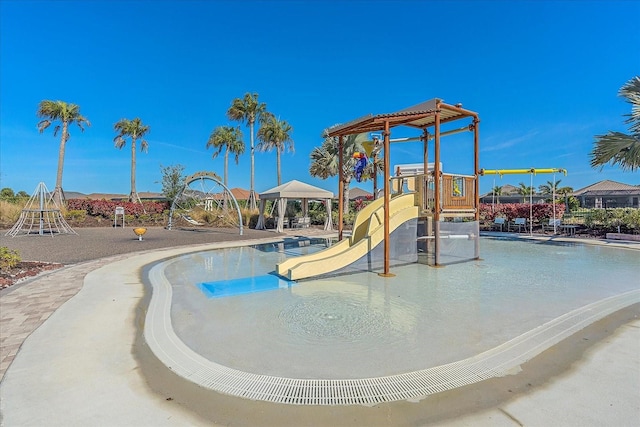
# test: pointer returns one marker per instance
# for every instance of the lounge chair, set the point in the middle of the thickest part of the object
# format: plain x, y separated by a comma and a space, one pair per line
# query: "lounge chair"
518, 223
550, 225
498, 223
302, 222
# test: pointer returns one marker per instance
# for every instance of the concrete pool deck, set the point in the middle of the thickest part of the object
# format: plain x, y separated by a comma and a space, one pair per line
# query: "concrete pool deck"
86, 365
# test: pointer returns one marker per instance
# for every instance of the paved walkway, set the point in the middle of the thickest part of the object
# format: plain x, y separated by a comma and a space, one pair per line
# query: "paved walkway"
602, 389
24, 307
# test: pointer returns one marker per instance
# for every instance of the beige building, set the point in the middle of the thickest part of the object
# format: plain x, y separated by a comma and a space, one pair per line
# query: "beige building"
609, 194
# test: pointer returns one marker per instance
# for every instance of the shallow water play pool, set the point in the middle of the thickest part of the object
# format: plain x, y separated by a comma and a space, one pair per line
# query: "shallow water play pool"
363, 325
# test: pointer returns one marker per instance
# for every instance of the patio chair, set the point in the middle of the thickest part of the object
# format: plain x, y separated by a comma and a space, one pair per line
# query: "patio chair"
498, 223
518, 223
550, 225
302, 222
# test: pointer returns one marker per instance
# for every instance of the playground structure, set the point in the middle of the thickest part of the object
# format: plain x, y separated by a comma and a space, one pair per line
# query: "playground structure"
41, 215
202, 196
444, 206
531, 172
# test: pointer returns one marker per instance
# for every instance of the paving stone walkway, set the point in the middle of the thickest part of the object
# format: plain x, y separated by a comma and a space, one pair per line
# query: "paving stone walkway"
24, 307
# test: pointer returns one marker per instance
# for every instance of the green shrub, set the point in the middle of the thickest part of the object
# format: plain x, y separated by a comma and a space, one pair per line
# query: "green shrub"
595, 218
613, 220
76, 215
347, 219
8, 258
632, 219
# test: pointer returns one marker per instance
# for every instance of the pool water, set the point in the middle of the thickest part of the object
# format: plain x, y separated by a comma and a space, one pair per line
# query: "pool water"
244, 285
236, 283
363, 325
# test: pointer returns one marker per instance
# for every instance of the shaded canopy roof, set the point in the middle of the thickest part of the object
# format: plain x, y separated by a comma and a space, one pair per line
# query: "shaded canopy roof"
296, 190
419, 116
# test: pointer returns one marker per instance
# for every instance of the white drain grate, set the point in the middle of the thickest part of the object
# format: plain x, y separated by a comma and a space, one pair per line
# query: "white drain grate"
411, 386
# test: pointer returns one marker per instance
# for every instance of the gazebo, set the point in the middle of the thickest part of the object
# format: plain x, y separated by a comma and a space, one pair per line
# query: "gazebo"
294, 190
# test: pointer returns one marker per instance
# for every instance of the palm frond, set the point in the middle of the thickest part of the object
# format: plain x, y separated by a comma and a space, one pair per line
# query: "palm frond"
631, 92
247, 109
616, 148
119, 142
43, 124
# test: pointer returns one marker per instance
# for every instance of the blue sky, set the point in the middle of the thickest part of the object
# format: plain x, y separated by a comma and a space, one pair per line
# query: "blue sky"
543, 76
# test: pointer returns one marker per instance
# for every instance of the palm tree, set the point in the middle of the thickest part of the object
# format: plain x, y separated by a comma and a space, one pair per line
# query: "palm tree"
497, 191
525, 191
617, 147
550, 187
324, 161
564, 191
248, 110
136, 131
50, 111
229, 139
275, 134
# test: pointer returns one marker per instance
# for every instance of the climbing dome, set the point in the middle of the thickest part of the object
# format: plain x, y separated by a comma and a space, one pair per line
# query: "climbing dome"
40, 216
204, 201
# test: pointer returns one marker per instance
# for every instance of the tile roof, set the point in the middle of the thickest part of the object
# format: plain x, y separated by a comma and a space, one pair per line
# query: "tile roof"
358, 193
608, 187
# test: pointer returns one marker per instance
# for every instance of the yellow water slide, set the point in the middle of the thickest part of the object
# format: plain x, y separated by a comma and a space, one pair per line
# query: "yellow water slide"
368, 232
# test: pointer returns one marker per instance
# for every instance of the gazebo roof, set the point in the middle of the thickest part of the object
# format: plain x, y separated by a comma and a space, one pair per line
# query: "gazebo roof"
418, 116
296, 190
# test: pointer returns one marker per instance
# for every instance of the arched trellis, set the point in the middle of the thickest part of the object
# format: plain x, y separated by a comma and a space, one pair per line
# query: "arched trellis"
531, 172
203, 190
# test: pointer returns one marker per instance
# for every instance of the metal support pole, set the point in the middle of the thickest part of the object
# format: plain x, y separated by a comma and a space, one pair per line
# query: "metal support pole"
531, 204
42, 195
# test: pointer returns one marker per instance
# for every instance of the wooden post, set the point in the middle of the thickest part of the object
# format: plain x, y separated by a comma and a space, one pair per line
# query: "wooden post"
476, 149
340, 186
424, 188
387, 199
437, 185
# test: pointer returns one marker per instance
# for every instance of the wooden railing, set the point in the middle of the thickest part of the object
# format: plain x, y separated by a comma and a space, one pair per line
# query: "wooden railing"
457, 192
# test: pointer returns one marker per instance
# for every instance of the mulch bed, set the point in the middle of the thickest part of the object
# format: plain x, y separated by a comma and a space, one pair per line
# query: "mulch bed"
25, 270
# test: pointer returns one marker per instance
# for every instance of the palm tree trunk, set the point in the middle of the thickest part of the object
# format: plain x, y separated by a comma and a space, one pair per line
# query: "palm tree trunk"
226, 171
252, 196
278, 165
134, 194
345, 196
57, 192
226, 166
